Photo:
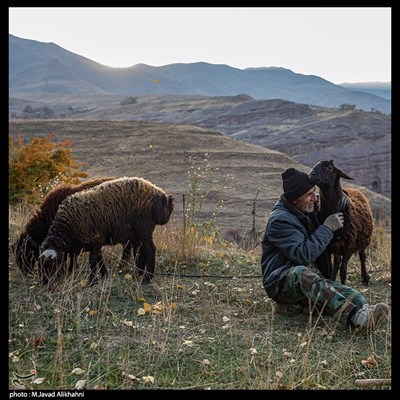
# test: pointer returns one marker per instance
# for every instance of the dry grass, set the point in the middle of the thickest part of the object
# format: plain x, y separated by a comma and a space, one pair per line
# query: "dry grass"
204, 322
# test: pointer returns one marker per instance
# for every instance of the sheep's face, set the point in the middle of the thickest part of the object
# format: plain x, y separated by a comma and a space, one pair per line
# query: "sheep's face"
50, 262
322, 173
26, 252
325, 174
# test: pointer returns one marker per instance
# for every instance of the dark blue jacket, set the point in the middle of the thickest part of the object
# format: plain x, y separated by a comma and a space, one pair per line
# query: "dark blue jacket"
291, 238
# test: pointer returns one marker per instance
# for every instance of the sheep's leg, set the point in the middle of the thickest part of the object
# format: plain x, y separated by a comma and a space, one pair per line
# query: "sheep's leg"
150, 254
102, 267
336, 265
343, 267
126, 255
73, 260
364, 273
147, 259
135, 249
325, 264
140, 258
94, 259
93, 265
126, 252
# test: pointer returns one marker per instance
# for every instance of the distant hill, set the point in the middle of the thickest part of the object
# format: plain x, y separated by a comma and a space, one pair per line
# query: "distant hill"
161, 153
358, 141
381, 89
37, 67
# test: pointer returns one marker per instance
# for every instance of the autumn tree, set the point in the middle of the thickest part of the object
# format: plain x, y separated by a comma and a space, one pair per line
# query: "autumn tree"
36, 167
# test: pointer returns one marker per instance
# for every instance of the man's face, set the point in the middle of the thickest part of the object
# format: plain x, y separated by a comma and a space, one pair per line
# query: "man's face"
306, 202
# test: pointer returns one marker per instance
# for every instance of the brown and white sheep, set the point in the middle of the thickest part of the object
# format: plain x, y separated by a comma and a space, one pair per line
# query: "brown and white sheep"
27, 246
356, 234
124, 210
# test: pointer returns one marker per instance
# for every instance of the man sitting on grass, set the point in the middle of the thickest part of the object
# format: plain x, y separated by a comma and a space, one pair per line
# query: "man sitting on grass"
293, 251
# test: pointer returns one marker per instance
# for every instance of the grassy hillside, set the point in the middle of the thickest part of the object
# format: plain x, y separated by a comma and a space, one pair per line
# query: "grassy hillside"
238, 172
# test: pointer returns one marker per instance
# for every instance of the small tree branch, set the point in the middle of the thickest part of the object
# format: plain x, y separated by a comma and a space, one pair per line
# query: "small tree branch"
372, 382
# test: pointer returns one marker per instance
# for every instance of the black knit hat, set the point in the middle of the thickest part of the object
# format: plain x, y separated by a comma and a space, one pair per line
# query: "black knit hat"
295, 184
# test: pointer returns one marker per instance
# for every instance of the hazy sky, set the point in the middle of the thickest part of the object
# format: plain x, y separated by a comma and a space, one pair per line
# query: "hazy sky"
336, 43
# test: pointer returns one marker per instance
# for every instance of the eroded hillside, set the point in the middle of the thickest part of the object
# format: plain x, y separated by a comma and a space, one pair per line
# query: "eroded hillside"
239, 172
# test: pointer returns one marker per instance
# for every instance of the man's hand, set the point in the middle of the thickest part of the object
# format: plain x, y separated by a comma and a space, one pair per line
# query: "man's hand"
335, 221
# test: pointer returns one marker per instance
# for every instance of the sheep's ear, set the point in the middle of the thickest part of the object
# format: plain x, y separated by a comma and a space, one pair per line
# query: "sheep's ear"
343, 175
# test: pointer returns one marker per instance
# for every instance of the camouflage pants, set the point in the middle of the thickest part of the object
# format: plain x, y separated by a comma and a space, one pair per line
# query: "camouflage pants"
305, 285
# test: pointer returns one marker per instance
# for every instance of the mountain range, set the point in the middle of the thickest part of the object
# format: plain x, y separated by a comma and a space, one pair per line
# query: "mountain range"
48, 82
38, 67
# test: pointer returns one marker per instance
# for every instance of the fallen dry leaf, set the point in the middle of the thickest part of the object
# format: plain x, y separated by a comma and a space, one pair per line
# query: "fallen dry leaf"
149, 379
78, 371
80, 384
147, 307
370, 362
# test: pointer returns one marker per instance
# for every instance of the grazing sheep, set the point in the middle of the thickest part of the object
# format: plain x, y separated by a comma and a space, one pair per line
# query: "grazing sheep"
125, 210
27, 247
356, 234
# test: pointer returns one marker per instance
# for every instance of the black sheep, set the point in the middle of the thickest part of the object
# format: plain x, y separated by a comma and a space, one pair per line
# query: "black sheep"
125, 210
356, 234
